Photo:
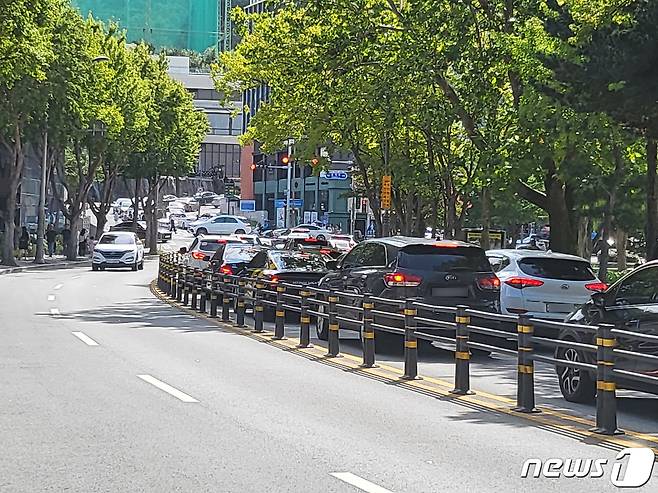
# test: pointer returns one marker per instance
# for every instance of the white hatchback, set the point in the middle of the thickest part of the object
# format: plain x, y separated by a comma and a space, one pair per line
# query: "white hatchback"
542, 284
221, 225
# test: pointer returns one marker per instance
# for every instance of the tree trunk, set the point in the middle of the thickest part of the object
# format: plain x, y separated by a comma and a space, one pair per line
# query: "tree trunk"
621, 238
136, 204
9, 216
486, 220
10, 175
584, 237
72, 246
652, 200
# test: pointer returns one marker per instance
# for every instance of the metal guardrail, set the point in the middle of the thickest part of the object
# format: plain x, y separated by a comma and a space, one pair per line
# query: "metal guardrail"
207, 291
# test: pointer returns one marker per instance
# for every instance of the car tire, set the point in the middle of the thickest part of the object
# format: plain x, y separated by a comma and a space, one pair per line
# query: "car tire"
141, 265
135, 266
322, 328
576, 385
321, 237
94, 268
239, 231
201, 231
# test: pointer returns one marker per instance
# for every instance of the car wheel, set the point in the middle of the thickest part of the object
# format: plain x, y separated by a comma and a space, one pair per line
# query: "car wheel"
239, 231
576, 385
94, 268
201, 231
141, 265
216, 206
322, 326
321, 237
135, 266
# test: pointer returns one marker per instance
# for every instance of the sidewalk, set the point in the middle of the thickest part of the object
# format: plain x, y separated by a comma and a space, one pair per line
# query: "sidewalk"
56, 262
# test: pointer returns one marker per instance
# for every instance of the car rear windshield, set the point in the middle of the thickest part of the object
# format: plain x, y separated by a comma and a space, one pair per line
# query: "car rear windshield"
557, 268
300, 261
210, 245
117, 240
443, 259
235, 254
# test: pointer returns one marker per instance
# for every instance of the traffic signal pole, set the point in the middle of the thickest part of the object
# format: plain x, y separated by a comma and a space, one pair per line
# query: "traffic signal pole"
289, 183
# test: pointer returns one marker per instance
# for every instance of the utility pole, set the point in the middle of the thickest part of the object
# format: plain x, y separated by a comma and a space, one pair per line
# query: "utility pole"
289, 186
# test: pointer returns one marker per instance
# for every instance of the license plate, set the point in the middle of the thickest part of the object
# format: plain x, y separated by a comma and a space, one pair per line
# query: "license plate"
112, 261
456, 292
559, 307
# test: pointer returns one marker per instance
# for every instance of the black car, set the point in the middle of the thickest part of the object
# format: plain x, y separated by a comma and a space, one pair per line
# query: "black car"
234, 258
446, 273
630, 304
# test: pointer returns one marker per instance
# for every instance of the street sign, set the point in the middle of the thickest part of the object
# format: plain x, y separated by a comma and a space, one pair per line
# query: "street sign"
334, 174
296, 203
248, 205
386, 192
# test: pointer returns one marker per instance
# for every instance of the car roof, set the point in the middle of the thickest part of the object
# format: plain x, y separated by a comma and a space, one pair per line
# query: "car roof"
118, 233
519, 254
402, 241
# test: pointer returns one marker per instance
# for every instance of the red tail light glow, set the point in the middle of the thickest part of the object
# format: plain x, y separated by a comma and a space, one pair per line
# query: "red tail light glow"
325, 251
597, 287
226, 269
400, 279
274, 279
489, 283
523, 282
198, 255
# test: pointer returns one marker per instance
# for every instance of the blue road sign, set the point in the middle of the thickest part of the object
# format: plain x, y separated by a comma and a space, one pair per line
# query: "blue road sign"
296, 203
247, 205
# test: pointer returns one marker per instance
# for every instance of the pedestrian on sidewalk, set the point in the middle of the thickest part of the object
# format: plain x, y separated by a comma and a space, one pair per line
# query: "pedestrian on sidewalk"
172, 225
24, 242
82, 242
51, 237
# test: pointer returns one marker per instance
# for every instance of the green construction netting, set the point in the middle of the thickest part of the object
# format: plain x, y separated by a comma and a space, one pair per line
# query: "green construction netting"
183, 24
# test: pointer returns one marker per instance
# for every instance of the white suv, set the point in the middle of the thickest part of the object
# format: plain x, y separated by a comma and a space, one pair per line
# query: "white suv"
221, 225
542, 284
118, 249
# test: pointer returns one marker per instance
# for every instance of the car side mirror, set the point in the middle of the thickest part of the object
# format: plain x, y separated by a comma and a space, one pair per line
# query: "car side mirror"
182, 250
599, 300
206, 258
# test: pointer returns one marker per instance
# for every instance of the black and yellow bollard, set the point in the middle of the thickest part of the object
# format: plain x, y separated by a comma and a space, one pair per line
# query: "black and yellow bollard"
525, 389
226, 300
204, 292
195, 289
368, 333
462, 353
186, 287
258, 307
410, 342
606, 397
180, 283
239, 304
213, 296
280, 315
304, 321
334, 328
172, 279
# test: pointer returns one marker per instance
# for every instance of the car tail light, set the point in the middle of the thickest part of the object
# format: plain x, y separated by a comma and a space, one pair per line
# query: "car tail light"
274, 279
311, 239
400, 279
226, 269
325, 251
489, 282
523, 282
198, 255
597, 287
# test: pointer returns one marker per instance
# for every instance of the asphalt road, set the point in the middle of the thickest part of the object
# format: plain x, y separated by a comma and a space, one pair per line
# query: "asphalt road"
108, 389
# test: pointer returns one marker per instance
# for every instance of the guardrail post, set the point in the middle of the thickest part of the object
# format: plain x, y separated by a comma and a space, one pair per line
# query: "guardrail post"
213, 296
304, 321
606, 398
195, 289
226, 300
410, 341
368, 333
180, 283
172, 277
239, 312
525, 388
333, 343
203, 296
280, 314
258, 307
462, 353
186, 287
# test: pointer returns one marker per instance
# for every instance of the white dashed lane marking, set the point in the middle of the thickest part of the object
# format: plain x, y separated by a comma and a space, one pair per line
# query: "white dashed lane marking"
359, 482
51, 297
58, 287
85, 338
182, 396
54, 312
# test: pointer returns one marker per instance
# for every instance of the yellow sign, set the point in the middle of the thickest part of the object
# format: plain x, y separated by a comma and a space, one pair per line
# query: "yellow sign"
386, 192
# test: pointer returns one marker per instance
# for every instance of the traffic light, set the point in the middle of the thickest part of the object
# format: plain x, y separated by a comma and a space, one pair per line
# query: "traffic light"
253, 167
314, 162
285, 159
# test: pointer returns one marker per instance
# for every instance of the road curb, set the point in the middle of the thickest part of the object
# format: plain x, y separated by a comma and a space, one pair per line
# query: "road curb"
574, 427
59, 265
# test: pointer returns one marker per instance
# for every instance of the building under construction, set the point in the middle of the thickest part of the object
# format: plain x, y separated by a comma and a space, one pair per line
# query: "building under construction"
181, 24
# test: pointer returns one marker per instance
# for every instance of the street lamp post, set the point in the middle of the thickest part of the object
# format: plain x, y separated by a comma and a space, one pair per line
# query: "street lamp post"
289, 181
